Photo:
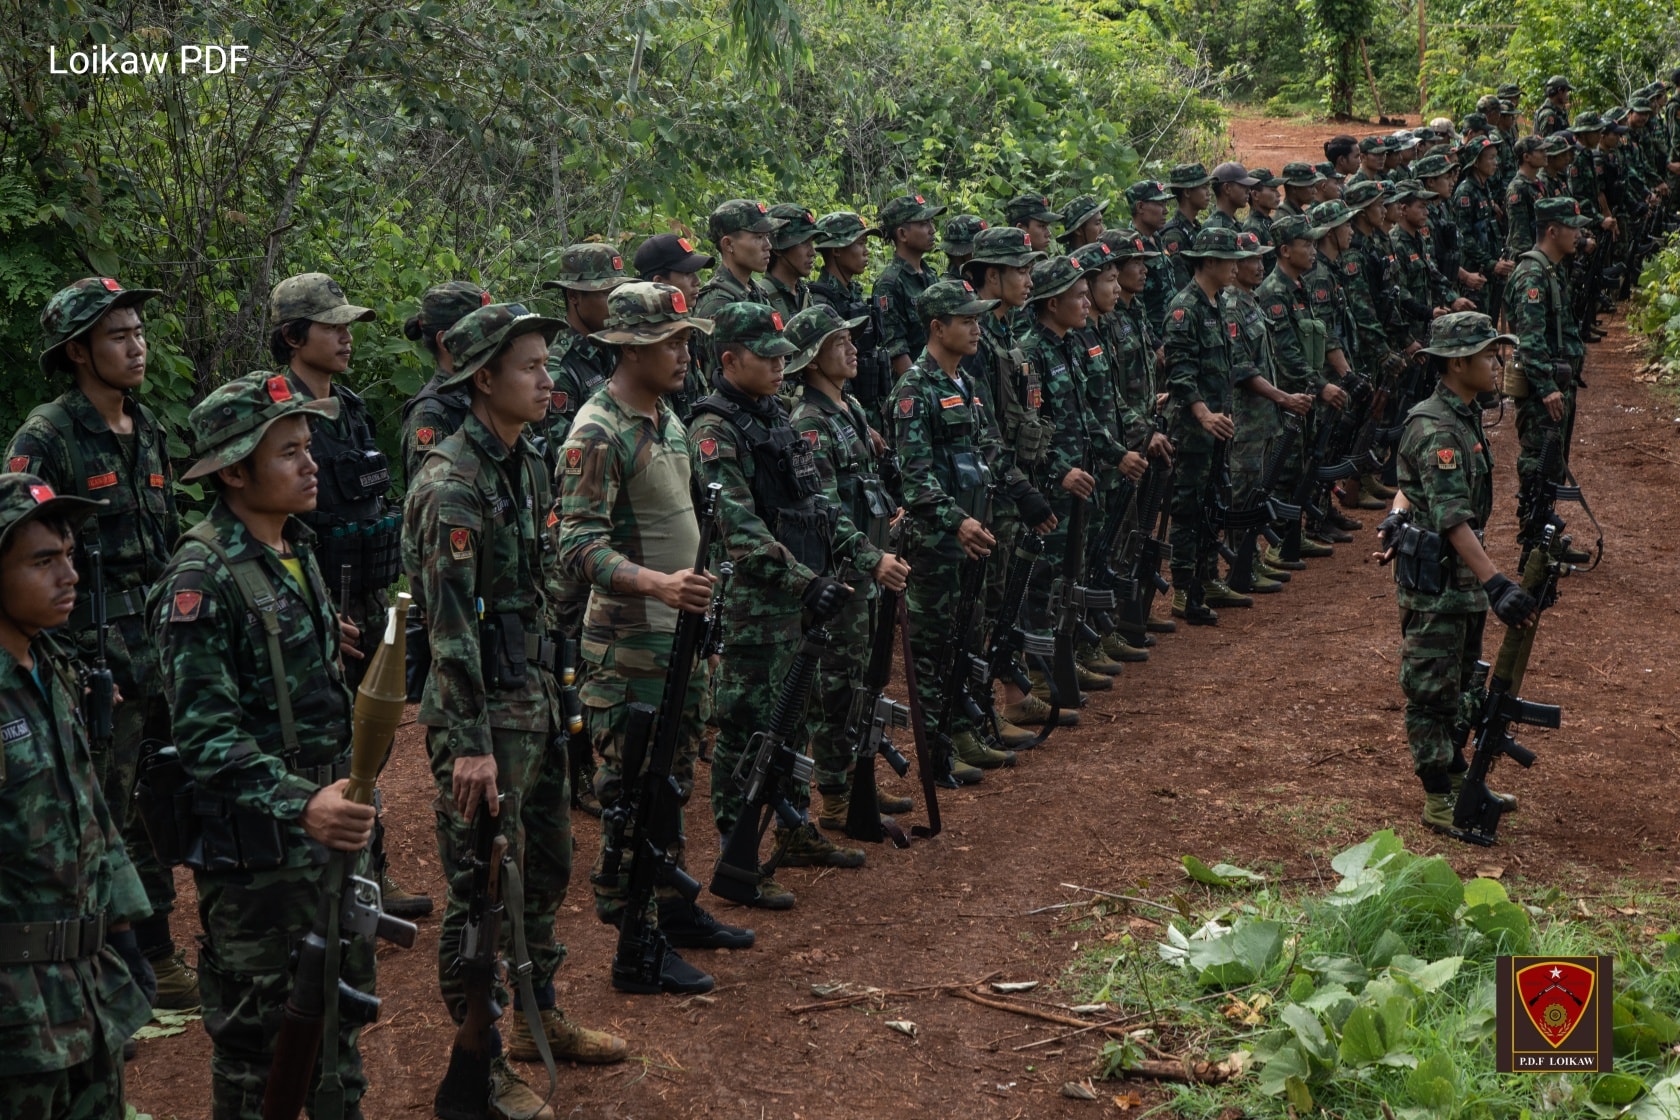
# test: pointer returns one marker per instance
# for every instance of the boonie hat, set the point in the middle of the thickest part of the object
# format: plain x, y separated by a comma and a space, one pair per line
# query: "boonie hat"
228, 424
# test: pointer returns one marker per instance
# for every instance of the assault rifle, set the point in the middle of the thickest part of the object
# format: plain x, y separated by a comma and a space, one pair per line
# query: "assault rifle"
1215, 510
1146, 550
464, 1093
1266, 510
648, 821
1008, 642
871, 717
1103, 554
1071, 602
772, 758
927, 749
1476, 814
350, 906
99, 702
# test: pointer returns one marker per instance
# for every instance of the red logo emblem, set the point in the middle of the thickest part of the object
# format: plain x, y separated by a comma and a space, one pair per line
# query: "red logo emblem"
557, 401
425, 436
686, 247
1026, 239
1094, 352
101, 481
553, 519
18, 463
574, 458
708, 450
484, 299
278, 390
920, 199
110, 284
1178, 314
42, 493
776, 319
967, 287
1447, 457
882, 300
184, 607
157, 482
812, 438
618, 264
763, 209
1231, 329
906, 406
460, 544
983, 224
1555, 994
678, 303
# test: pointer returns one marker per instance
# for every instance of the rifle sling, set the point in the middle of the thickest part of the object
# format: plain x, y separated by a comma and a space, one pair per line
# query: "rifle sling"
513, 891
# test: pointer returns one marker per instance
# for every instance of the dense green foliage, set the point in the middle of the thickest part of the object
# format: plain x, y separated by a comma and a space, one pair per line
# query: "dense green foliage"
395, 144
1656, 315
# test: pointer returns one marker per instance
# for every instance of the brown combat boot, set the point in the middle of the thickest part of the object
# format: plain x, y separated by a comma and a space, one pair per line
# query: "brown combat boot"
568, 1040
511, 1098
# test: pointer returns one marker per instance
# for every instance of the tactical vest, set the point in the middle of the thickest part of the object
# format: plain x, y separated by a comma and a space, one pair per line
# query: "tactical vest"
358, 536
863, 495
1018, 390
786, 488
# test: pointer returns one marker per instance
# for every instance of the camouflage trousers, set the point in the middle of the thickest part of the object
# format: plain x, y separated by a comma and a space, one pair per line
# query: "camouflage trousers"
931, 602
1533, 424
88, 1090
1248, 464
1192, 560
619, 674
744, 694
831, 698
1438, 655
252, 922
536, 818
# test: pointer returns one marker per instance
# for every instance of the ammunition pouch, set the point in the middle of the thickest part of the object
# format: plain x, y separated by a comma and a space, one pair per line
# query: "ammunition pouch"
1315, 340
508, 651
1421, 559
372, 548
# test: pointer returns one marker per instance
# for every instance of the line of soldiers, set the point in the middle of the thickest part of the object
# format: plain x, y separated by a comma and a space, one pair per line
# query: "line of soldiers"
1011, 450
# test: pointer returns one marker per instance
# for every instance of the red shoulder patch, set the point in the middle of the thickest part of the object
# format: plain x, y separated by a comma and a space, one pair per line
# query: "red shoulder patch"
460, 544
157, 481
1178, 314
708, 450
812, 437
184, 607
425, 436
1448, 459
574, 460
17, 463
882, 300
907, 406
101, 481
1231, 329
1276, 309
1533, 295
558, 401
1351, 268
1094, 352
553, 519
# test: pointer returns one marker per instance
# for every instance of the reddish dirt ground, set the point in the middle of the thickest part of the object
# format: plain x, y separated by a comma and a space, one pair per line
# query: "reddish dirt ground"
1270, 741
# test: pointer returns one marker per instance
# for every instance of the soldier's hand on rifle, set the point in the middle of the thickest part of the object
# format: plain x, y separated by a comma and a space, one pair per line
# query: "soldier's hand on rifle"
1079, 483
1554, 405
877, 441
1298, 403
1333, 395
1216, 424
976, 540
1475, 281
473, 781
1612, 225
684, 591
1515, 607
1160, 447
1504, 268
1036, 511
1132, 465
1413, 349
1463, 304
337, 823
823, 597
348, 635
892, 572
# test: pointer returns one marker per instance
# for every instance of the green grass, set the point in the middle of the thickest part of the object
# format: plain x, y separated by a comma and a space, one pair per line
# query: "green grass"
1382, 990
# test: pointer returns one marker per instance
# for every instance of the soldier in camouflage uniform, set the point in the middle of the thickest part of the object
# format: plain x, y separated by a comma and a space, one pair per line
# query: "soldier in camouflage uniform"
1188, 183
1423, 290
1478, 223
1262, 202
906, 225
669, 259
740, 229
627, 525
1446, 488
843, 241
1082, 222
957, 242
475, 543
1032, 213
1148, 201
1198, 347
262, 726
97, 441
1442, 236
1231, 186
793, 253
947, 442
1522, 191
1300, 189
1366, 276
788, 547
836, 427
1372, 153
73, 980
577, 364
1553, 114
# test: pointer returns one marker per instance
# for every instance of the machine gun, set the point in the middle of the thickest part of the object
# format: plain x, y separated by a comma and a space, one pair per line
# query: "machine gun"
1071, 602
873, 714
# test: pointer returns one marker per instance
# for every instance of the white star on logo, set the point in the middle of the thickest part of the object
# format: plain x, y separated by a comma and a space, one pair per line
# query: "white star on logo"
1556, 973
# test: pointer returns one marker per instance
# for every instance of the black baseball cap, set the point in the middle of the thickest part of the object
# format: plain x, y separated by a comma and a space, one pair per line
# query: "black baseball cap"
666, 252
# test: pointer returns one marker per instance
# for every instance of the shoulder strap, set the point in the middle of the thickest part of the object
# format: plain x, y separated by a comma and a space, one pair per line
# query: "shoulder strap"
58, 418
259, 597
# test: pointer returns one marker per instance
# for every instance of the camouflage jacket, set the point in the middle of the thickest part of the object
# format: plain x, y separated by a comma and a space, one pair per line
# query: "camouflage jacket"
578, 366
1479, 231
1080, 441
720, 290
1520, 196
1538, 309
1548, 118
895, 292
221, 683
1176, 236
1446, 472
1260, 225
1328, 303
625, 497
476, 546
1364, 277
429, 418
1285, 305
1013, 391
1257, 418
1584, 179
789, 301
137, 529
1130, 342
850, 471
65, 859
1160, 286
1218, 219
1198, 365
946, 444
1422, 287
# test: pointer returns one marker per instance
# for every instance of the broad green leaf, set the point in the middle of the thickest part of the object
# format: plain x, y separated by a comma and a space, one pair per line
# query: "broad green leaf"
1429, 886
1372, 852
1336, 970
1388, 945
1661, 1103
1309, 1032
1300, 1098
1286, 1062
1505, 924
1480, 892
1433, 1084
1362, 1038
1202, 873
1640, 1029
1237, 875
1239, 957
1617, 1089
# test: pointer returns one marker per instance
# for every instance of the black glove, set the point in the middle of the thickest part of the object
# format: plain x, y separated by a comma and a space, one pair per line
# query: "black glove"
138, 966
1033, 507
824, 597
1511, 603
1388, 530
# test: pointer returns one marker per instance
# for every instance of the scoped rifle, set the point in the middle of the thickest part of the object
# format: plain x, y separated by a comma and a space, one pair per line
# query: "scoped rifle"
873, 714
1146, 550
350, 906
465, 1091
1476, 814
772, 758
1250, 524
646, 820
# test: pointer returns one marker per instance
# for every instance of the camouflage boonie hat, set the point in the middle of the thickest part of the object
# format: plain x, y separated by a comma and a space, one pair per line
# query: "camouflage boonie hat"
1510, 91
1557, 83
1250, 243
590, 267
228, 424
1095, 257
1475, 122
1149, 190
1128, 244
1363, 193
800, 226
1487, 103
1639, 105
753, 325
1326, 216
1375, 145
1616, 120
842, 228
1079, 211
643, 312
444, 304
1471, 150
1558, 143
73, 310
1218, 244
26, 497
1565, 210
739, 215
1463, 333
1328, 170
1025, 208
951, 297
904, 209
959, 234
1529, 144
1292, 227
1412, 190
314, 296
1301, 174
812, 327
1432, 165
1009, 246
484, 333
1187, 176
1426, 135
1055, 275
1263, 177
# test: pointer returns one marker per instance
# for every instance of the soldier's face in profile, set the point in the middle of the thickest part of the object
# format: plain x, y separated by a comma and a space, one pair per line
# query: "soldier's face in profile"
854, 258
750, 250
1488, 162
959, 334
688, 283
1222, 273
279, 476
590, 308
1250, 272
515, 385
753, 374
326, 348
1147, 216
838, 357
38, 578
799, 258
1133, 275
1015, 284
916, 236
1477, 371
1038, 231
1105, 290
659, 367
1300, 254
1072, 307
116, 347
